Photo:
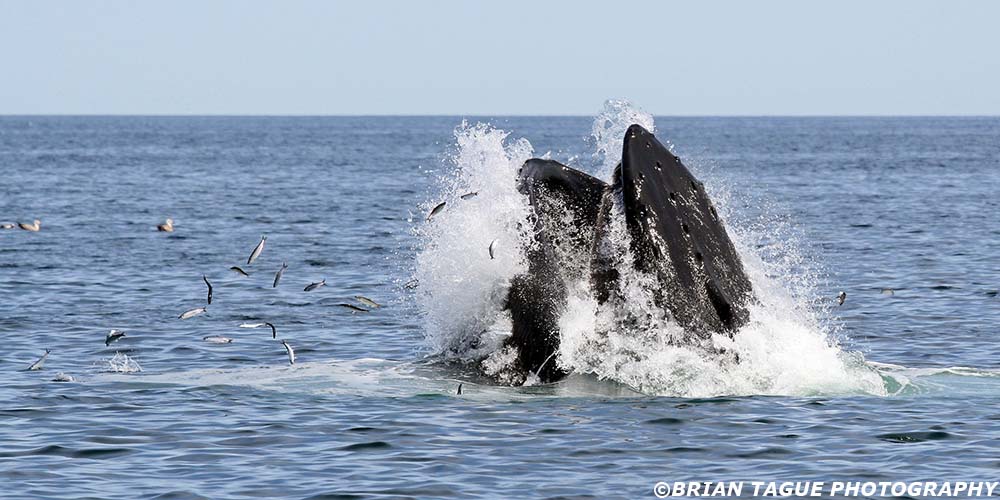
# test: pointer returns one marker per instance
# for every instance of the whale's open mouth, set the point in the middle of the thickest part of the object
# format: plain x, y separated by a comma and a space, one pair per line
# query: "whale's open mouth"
676, 237
640, 274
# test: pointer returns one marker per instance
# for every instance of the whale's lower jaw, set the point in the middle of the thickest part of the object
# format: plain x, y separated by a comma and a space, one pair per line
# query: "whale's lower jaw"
676, 236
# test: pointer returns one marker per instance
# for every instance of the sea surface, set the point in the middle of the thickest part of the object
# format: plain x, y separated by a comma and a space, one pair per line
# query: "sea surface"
903, 214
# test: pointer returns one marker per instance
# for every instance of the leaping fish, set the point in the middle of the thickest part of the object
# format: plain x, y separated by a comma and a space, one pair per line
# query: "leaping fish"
290, 351
492, 244
113, 336
841, 297
257, 250
205, 279
312, 286
470, 195
353, 308
368, 302
274, 331
239, 271
277, 275
37, 365
193, 312
217, 339
435, 210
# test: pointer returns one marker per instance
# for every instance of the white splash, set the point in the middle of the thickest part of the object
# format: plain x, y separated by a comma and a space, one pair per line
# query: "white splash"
121, 363
608, 132
787, 347
461, 288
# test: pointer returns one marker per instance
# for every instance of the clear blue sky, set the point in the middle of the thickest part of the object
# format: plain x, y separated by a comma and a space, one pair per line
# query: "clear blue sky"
499, 57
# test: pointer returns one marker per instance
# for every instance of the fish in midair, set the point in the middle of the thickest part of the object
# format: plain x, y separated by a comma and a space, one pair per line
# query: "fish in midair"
274, 331
435, 210
237, 270
841, 297
492, 244
353, 307
33, 227
312, 286
277, 275
469, 195
37, 365
257, 250
193, 312
290, 351
113, 336
166, 227
205, 279
410, 285
217, 339
63, 377
368, 302
459, 392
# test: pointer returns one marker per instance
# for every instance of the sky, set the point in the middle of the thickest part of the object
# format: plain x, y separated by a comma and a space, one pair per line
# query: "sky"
510, 57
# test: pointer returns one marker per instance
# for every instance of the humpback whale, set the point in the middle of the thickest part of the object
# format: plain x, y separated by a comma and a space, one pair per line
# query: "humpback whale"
675, 236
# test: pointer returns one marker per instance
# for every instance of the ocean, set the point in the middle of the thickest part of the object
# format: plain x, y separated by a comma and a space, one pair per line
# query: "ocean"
900, 383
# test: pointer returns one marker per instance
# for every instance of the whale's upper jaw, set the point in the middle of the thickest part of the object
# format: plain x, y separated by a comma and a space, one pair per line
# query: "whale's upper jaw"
677, 235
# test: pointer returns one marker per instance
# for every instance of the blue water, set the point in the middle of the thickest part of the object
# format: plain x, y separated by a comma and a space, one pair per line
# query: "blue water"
909, 204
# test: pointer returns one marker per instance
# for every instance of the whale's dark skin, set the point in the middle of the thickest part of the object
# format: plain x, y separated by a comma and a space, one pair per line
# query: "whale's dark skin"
676, 235
560, 254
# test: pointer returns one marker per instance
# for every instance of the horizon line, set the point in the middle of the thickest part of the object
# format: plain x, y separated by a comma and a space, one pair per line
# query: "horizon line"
452, 115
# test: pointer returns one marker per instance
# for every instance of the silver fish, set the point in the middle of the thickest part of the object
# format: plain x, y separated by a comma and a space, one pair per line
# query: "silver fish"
353, 307
279, 274
63, 377
113, 335
257, 250
290, 351
410, 285
368, 302
470, 195
239, 271
459, 392
492, 244
312, 286
435, 210
205, 279
37, 365
841, 297
217, 339
193, 312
